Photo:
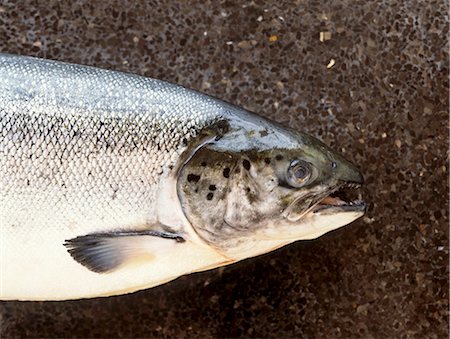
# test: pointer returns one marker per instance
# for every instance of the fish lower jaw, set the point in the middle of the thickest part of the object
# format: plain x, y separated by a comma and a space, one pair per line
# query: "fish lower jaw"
313, 224
319, 222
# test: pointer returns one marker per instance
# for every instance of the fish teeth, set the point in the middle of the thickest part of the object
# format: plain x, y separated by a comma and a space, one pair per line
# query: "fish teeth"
351, 185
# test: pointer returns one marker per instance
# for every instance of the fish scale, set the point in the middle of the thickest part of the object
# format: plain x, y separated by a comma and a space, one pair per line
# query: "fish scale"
91, 143
77, 112
96, 196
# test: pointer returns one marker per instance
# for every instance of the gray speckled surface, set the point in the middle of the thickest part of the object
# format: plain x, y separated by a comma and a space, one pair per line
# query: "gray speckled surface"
384, 103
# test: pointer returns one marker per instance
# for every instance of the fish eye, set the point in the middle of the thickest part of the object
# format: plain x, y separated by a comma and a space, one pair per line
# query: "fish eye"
299, 173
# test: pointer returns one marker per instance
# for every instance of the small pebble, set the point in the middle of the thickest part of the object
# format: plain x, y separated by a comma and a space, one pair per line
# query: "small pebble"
324, 36
245, 44
331, 63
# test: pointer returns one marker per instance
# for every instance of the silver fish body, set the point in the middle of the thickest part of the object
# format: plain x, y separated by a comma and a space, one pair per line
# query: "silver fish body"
90, 164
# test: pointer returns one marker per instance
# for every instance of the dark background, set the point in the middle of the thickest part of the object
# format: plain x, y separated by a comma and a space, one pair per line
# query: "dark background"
384, 104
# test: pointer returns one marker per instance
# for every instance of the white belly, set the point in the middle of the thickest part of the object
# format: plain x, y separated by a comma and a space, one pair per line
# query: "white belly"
35, 265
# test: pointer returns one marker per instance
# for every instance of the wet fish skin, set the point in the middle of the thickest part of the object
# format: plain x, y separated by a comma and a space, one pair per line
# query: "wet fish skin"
94, 136
84, 150
90, 165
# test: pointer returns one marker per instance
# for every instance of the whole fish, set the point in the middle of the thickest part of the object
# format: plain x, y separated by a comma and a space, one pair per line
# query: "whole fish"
113, 182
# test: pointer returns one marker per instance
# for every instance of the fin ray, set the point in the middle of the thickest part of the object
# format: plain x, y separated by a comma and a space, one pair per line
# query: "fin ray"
105, 252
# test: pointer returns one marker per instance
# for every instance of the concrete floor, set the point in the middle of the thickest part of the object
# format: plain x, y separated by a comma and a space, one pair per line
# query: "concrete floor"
375, 88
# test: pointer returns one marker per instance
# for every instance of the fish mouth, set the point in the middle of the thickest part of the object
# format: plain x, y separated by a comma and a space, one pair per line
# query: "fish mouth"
345, 198
337, 207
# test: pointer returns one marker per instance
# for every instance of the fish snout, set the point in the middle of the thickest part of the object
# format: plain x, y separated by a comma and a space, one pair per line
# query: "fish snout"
347, 173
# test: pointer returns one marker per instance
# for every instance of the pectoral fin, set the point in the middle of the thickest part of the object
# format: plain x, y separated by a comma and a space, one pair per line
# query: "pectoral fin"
105, 252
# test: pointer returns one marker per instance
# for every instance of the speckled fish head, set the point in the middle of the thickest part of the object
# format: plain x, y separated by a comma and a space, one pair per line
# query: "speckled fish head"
255, 185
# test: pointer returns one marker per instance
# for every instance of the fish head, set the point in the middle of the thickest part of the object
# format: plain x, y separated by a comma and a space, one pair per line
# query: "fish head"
256, 189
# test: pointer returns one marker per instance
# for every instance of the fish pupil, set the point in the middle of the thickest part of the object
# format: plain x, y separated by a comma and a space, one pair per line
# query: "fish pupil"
300, 172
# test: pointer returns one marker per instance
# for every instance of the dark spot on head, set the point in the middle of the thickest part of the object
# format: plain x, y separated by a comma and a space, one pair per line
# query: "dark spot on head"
226, 172
171, 167
238, 170
209, 196
196, 190
264, 133
212, 187
247, 189
203, 164
246, 164
267, 161
193, 177
185, 142
279, 157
